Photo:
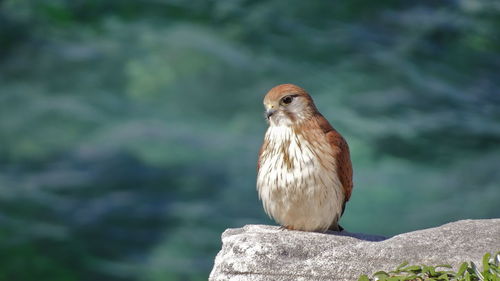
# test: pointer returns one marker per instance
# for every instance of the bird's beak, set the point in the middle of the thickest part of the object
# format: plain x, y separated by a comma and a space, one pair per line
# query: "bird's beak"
270, 112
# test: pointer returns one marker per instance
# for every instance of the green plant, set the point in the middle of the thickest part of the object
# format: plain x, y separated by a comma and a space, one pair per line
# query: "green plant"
466, 272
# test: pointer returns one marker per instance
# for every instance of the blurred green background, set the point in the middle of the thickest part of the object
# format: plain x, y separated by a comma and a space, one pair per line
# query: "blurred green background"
129, 130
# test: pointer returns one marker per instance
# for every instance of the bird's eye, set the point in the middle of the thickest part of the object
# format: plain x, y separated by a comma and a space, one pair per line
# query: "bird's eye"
287, 100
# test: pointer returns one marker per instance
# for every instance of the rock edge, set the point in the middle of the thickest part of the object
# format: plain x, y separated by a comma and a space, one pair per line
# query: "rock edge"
262, 252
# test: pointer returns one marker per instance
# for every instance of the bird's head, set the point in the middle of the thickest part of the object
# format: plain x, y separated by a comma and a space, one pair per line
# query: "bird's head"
287, 105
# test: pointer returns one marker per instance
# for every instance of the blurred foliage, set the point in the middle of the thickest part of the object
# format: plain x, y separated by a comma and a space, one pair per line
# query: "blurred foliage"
466, 272
129, 130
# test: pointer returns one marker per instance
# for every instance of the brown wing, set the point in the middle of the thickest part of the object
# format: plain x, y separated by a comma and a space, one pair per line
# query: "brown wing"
341, 150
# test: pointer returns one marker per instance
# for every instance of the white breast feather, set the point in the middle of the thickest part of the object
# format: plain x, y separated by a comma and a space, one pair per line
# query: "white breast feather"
308, 196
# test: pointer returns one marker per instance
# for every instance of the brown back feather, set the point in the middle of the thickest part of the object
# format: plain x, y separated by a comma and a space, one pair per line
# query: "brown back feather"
341, 151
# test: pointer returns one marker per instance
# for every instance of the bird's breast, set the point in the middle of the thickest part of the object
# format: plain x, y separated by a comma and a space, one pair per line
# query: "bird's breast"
297, 179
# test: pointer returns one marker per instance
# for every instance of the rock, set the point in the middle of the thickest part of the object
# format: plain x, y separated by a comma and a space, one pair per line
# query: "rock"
261, 252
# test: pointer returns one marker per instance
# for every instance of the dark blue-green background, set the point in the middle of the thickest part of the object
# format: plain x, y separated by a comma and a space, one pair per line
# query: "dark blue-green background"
129, 130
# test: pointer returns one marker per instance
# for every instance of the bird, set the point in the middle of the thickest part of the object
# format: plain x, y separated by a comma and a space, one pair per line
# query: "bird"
304, 170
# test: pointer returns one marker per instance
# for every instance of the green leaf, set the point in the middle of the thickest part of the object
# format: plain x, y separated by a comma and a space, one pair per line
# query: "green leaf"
486, 262
405, 263
432, 271
463, 268
444, 277
495, 271
380, 273
426, 269
487, 275
411, 277
414, 268
467, 276
363, 277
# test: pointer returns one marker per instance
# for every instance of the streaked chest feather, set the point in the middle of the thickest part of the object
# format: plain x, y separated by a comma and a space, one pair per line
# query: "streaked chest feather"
297, 179
289, 158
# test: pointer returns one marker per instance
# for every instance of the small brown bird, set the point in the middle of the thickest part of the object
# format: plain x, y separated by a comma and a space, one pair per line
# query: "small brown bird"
304, 172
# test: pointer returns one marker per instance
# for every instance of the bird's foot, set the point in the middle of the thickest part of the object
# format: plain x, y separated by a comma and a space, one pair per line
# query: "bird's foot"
336, 228
285, 227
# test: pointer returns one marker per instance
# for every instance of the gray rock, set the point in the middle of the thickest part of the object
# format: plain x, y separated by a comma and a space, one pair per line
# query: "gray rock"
261, 252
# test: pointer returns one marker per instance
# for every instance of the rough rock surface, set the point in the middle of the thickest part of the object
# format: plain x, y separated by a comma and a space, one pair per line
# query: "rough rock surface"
261, 252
